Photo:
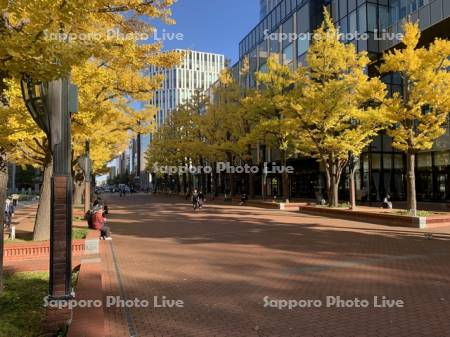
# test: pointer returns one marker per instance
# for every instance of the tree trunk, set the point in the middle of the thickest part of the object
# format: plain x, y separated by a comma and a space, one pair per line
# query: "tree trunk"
190, 183
3, 191
78, 193
352, 190
42, 224
251, 185
232, 184
285, 177
333, 190
263, 183
333, 193
215, 185
411, 183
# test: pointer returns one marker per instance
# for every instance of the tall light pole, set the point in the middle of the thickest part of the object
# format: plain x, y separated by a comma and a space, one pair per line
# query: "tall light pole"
51, 105
85, 163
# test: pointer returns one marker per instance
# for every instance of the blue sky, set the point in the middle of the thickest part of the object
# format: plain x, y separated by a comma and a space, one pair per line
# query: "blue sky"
212, 25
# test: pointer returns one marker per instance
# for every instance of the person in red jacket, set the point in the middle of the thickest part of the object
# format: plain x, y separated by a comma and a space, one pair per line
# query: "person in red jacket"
99, 222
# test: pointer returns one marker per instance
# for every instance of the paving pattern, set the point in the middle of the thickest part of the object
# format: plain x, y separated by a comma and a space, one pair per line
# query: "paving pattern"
227, 262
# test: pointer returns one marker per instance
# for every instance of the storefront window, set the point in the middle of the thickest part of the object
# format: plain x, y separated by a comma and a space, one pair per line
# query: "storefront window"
376, 161
442, 159
387, 161
424, 160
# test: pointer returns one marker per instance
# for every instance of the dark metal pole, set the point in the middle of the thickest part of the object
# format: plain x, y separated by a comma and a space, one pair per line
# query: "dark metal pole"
61, 210
87, 178
138, 150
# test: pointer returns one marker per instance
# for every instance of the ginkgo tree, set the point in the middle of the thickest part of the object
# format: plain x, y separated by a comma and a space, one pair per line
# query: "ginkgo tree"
106, 118
47, 39
224, 126
273, 126
338, 108
172, 145
422, 109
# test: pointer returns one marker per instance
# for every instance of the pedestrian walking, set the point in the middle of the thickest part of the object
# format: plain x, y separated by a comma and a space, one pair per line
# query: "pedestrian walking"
9, 212
15, 199
195, 200
201, 199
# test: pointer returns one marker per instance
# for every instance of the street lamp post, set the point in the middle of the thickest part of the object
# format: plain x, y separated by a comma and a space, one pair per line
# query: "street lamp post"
352, 187
85, 163
51, 104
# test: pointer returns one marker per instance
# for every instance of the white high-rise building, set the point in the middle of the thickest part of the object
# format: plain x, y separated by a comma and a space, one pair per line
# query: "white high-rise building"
197, 72
266, 6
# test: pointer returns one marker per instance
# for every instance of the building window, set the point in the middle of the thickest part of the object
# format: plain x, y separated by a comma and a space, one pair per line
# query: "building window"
288, 56
302, 45
352, 26
263, 68
371, 17
288, 29
303, 25
384, 17
342, 8
362, 19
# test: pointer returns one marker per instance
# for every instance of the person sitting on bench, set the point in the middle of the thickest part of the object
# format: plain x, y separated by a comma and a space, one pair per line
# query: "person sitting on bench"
244, 199
387, 204
99, 222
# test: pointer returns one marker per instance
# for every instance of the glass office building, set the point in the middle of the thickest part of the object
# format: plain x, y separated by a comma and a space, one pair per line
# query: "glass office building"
381, 169
265, 6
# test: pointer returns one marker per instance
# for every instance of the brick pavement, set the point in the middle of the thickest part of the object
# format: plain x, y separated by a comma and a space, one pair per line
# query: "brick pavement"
223, 261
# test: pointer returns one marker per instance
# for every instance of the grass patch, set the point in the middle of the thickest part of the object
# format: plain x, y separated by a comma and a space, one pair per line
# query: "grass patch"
20, 238
77, 234
419, 213
343, 205
22, 308
27, 197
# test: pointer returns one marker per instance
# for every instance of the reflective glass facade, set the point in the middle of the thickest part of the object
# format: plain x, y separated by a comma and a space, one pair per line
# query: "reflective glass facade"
381, 168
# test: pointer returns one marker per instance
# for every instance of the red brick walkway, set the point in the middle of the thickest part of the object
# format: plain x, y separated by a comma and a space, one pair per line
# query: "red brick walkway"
223, 261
